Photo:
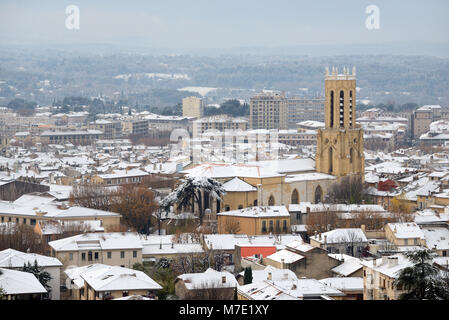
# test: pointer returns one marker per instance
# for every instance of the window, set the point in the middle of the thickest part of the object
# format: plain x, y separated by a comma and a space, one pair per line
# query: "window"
3, 219
83, 256
271, 225
96, 255
109, 254
122, 254
284, 225
271, 201
89, 256
33, 222
134, 254
295, 197
264, 226
70, 256
405, 241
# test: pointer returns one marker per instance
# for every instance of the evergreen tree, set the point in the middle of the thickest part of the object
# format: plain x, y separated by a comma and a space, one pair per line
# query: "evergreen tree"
422, 281
190, 191
43, 276
248, 276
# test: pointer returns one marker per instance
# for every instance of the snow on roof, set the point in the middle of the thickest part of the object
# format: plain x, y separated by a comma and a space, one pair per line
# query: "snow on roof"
266, 290
133, 297
406, 230
208, 279
348, 267
124, 174
311, 176
113, 278
18, 282
228, 241
341, 235
237, 185
429, 216
10, 258
276, 274
104, 241
386, 267
82, 212
285, 256
436, 238
223, 170
302, 207
287, 165
300, 246
258, 212
344, 283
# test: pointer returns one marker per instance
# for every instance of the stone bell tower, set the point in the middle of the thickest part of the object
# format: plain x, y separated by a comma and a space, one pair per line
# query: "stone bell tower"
340, 143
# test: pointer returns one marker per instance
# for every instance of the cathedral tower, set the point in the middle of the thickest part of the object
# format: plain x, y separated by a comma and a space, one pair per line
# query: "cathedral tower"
340, 143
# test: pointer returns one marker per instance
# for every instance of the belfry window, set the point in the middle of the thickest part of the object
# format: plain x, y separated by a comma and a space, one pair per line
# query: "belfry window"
342, 108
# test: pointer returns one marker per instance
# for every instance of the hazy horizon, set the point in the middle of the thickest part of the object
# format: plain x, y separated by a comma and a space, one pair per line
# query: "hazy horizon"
412, 27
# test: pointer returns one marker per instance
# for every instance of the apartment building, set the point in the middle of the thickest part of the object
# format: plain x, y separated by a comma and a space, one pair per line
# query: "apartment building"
304, 109
268, 110
421, 119
110, 129
193, 107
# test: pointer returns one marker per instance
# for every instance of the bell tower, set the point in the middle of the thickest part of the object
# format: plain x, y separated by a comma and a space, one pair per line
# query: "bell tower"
340, 143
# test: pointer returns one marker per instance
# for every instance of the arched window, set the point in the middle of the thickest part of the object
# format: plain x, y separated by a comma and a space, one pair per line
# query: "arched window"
271, 201
332, 108
342, 108
295, 197
227, 208
318, 195
350, 109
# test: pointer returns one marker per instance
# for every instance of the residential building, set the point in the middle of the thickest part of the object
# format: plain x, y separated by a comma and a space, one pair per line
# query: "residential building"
209, 285
351, 241
268, 110
193, 107
304, 109
15, 260
19, 285
105, 282
86, 137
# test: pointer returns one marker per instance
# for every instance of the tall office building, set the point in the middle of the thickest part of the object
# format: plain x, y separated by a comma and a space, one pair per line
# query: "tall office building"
192, 107
340, 143
268, 111
304, 109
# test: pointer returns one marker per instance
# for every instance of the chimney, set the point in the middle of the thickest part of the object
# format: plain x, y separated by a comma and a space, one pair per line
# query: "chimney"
270, 276
384, 260
392, 261
325, 239
223, 279
282, 263
319, 236
374, 262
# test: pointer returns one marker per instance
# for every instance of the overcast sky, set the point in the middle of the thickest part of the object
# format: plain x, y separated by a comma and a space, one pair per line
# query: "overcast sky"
223, 24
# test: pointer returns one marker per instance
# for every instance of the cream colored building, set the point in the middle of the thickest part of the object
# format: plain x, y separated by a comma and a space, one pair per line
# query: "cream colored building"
192, 107
113, 248
104, 282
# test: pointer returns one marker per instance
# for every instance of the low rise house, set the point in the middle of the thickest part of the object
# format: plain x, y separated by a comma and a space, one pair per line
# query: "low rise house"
104, 282
113, 248
209, 285
404, 234
299, 289
15, 260
269, 273
255, 220
352, 287
19, 285
351, 241
437, 239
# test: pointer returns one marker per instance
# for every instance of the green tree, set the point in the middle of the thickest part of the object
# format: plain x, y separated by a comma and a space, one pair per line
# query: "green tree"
166, 278
43, 276
248, 276
422, 281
